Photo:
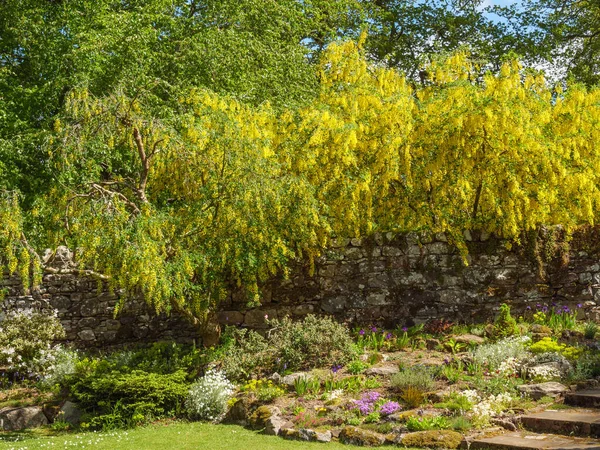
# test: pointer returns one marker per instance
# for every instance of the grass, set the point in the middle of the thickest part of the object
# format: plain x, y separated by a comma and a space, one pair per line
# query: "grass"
169, 435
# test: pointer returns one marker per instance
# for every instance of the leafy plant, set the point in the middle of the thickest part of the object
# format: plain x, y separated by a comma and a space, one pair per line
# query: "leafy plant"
356, 366
492, 355
418, 377
416, 423
590, 330
505, 324
413, 396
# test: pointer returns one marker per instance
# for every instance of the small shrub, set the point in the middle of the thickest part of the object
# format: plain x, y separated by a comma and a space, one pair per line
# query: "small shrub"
414, 423
548, 345
413, 396
124, 399
590, 330
311, 342
247, 353
492, 355
207, 398
356, 366
373, 417
265, 391
461, 423
417, 376
505, 324
25, 336
60, 363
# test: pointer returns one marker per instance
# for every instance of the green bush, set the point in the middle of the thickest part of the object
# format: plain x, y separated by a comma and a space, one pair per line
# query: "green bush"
290, 345
505, 324
418, 377
311, 342
122, 399
246, 353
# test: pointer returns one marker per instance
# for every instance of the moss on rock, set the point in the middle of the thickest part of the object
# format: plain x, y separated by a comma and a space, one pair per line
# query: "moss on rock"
361, 437
433, 439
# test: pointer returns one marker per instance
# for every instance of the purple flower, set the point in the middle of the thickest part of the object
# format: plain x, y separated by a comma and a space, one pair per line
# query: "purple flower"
579, 305
388, 336
389, 408
336, 367
374, 329
361, 332
404, 329
529, 307
566, 309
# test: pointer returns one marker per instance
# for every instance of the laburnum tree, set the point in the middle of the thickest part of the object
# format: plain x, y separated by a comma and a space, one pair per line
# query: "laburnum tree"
180, 202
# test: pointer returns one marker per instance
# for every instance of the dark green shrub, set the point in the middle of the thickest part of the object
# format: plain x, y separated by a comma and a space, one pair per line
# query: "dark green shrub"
505, 324
122, 399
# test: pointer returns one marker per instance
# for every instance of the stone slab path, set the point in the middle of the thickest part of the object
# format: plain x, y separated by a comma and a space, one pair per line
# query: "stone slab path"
554, 429
578, 422
532, 441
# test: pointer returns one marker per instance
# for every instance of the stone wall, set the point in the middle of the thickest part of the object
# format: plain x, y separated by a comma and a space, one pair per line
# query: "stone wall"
387, 280
86, 309
403, 279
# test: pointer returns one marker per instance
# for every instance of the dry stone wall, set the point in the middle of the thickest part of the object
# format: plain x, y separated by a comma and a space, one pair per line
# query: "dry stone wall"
386, 279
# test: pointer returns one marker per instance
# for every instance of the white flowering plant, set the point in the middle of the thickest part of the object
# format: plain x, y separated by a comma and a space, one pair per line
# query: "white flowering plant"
493, 355
207, 398
490, 407
25, 336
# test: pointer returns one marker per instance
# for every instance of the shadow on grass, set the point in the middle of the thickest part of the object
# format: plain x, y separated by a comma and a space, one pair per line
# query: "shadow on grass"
25, 435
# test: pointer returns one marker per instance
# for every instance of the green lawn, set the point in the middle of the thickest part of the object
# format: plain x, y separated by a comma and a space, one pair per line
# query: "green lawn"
171, 436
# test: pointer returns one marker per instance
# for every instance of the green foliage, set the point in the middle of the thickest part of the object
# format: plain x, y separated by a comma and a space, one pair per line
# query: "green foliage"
549, 345
456, 403
492, 355
505, 324
123, 399
356, 366
25, 339
419, 377
290, 345
590, 330
414, 423
265, 391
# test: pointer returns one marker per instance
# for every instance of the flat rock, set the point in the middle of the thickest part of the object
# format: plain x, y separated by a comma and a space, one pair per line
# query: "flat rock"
569, 422
290, 379
587, 398
532, 441
549, 389
469, 339
15, 419
387, 369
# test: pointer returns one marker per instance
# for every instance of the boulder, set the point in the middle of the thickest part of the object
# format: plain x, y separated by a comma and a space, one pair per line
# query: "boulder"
263, 415
386, 370
70, 413
433, 439
15, 419
239, 413
469, 339
275, 423
290, 379
363, 438
549, 389
306, 434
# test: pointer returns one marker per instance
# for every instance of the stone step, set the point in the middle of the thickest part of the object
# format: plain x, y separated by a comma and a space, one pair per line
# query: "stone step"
578, 422
587, 398
533, 441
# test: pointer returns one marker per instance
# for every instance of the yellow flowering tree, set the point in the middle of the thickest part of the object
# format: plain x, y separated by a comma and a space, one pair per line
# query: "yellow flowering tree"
181, 200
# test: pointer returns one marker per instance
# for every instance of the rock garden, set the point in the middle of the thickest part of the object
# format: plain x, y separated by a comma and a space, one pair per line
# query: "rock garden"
518, 380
